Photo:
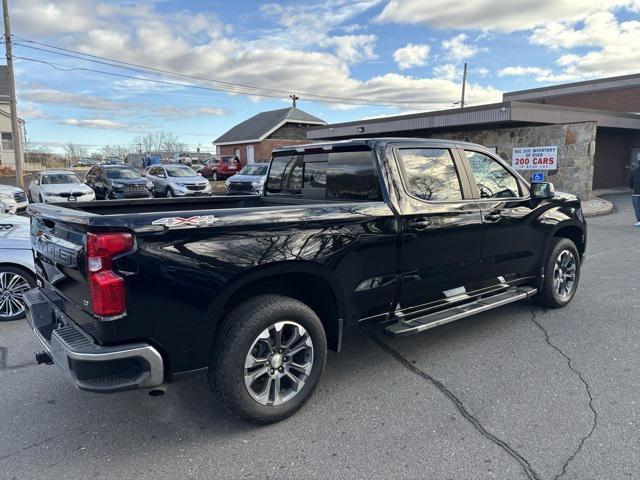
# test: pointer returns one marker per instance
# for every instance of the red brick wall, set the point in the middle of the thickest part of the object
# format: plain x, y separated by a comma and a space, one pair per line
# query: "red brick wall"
261, 150
621, 100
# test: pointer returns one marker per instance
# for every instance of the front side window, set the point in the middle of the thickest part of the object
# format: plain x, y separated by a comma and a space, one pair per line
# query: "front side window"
122, 173
179, 171
7, 141
492, 178
430, 174
285, 175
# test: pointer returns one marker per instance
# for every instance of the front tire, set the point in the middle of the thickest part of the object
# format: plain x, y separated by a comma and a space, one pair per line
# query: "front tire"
268, 358
169, 193
561, 274
14, 282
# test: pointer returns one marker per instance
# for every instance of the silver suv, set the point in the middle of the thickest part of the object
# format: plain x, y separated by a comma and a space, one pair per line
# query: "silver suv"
176, 181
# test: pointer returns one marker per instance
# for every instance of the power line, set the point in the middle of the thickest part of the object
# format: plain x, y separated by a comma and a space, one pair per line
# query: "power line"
218, 85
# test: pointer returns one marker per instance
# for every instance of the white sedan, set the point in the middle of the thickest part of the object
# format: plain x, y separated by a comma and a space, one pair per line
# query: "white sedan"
16, 266
59, 186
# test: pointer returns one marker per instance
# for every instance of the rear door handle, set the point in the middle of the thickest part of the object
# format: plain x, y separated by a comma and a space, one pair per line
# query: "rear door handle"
419, 223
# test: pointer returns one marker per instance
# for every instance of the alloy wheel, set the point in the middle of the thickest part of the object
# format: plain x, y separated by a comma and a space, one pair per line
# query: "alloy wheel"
564, 273
278, 363
12, 289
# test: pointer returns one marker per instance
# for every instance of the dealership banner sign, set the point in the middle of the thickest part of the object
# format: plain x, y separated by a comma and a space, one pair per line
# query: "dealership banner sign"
535, 158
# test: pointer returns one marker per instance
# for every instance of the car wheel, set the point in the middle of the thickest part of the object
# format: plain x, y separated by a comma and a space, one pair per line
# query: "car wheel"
14, 282
561, 274
169, 193
214, 177
268, 358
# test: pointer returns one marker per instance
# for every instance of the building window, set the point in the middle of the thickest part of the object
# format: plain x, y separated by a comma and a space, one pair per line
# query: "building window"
7, 141
218, 152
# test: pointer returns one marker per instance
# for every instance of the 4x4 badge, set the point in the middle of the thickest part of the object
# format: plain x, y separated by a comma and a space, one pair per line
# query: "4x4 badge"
195, 221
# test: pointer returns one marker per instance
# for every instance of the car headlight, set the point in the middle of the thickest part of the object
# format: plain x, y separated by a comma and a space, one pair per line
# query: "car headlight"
117, 185
257, 183
149, 185
179, 186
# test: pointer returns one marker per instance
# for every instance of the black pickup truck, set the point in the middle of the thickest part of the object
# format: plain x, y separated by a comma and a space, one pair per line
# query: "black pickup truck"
252, 290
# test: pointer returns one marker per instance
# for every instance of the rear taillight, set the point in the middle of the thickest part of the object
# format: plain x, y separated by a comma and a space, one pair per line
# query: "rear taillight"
106, 286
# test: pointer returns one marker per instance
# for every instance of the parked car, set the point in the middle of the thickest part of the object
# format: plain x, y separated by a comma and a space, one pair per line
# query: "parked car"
118, 181
184, 158
87, 162
113, 161
250, 179
220, 168
17, 273
177, 181
408, 233
59, 186
14, 199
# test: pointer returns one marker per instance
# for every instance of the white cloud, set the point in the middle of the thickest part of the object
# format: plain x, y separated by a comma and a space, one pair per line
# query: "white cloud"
457, 49
495, 15
448, 71
144, 36
311, 24
186, 112
352, 48
79, 100
615, 45
412, 55
101, 123
540, 74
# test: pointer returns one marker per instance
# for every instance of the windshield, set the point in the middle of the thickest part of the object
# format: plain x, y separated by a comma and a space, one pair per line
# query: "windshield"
254, 170
180, 171
122, 173
59, 178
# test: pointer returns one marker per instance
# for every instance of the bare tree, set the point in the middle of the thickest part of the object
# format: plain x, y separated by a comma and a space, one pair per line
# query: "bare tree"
120, 151
74, 152
157, 142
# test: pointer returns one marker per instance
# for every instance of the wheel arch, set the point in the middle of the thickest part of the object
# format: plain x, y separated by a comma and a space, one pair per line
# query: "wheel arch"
312, 284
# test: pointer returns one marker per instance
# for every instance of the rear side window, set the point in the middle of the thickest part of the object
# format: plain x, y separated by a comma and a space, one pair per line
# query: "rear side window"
334, 176
430, 174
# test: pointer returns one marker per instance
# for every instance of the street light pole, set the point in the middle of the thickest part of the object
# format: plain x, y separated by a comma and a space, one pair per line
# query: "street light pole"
15, 128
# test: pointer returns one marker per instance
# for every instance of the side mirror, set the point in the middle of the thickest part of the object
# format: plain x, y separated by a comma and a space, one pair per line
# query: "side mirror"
542, 190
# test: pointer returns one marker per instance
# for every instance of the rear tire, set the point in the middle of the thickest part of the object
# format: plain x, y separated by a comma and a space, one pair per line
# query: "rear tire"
14, 281
561, 274
249, 369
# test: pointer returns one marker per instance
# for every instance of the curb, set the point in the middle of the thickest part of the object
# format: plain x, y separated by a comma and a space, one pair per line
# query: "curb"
605, 209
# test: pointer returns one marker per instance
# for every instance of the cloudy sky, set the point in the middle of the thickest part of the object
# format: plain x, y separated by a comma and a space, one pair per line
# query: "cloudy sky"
362, 58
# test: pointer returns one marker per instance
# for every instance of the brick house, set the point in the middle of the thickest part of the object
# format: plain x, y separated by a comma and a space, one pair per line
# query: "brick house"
254, 139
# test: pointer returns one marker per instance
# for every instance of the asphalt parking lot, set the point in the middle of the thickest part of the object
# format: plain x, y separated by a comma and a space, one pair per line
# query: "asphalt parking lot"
519, 392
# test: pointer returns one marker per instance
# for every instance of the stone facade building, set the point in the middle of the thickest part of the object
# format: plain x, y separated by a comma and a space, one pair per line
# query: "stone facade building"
595, 126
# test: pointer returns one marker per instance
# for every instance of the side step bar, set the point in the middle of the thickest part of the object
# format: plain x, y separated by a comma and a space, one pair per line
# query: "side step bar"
412, 326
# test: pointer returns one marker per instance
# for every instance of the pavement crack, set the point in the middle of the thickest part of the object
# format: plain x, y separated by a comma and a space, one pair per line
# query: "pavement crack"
508, 449
587, 388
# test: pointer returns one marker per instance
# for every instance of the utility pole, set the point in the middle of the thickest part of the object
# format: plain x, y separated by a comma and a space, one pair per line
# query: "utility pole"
294, 97
15, 128
464, 84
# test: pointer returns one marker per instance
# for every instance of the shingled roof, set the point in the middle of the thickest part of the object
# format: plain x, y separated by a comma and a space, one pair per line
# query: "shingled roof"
259, 126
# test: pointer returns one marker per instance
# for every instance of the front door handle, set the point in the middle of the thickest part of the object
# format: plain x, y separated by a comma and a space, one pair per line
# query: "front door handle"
493, 216
419, 223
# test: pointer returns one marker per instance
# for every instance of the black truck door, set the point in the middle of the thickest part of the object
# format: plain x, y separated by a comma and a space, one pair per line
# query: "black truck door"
441, 240
511, 245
